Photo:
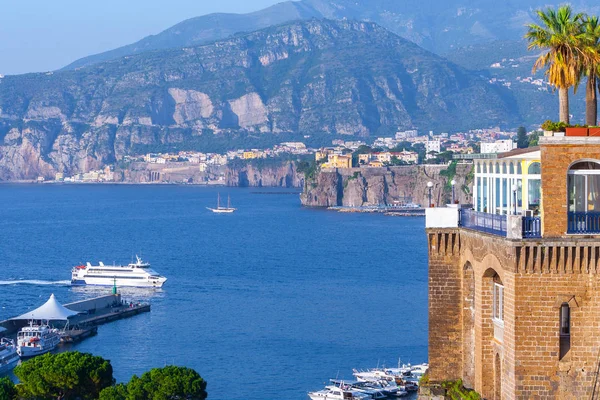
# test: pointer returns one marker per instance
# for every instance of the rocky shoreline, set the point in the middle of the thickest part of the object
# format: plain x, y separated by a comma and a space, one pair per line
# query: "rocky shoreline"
363, 187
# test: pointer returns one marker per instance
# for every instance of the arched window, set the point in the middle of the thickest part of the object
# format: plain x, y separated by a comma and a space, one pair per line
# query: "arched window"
484, 168
519, 172
497, 170
565, 330
584, 187
534, 169
478, 168
504, 168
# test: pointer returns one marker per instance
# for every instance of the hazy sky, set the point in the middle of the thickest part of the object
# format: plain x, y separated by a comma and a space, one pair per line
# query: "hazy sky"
44, 35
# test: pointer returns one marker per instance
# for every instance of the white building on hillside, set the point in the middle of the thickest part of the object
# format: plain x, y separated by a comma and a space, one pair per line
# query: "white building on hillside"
499, 146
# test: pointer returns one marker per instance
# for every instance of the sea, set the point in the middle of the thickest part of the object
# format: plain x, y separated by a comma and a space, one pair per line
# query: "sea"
267, 303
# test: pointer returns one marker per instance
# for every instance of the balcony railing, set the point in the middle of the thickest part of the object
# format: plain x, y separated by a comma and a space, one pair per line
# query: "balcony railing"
532, 227
484, 222
583, 222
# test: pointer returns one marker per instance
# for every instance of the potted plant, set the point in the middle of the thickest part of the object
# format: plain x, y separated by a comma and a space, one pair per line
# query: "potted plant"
594, 131
552, 128
577, 130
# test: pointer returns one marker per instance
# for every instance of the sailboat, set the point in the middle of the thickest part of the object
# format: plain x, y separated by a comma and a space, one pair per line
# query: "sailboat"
222, 210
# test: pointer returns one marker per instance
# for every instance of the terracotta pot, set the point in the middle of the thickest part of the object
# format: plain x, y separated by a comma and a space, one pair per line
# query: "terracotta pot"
577, 131
594, 131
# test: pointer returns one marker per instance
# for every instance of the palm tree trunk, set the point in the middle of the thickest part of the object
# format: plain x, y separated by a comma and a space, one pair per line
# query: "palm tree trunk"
591, 101
563, 100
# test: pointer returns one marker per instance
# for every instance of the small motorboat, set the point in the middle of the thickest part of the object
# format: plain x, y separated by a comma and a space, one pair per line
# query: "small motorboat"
338, 393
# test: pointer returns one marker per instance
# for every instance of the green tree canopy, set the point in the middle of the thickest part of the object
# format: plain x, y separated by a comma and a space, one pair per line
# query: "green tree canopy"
70, 375
559, 35
168, 383
7, 389
522, 139
117, 392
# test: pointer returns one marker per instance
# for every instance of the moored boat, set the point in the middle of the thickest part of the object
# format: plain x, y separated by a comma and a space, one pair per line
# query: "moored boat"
34, 340
8, 355
342, 392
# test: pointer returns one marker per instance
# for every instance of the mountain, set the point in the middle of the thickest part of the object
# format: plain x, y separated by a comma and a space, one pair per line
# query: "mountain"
436, 25
311, 77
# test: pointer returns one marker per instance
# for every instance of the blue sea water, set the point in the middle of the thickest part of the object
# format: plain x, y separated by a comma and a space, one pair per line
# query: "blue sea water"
266, 303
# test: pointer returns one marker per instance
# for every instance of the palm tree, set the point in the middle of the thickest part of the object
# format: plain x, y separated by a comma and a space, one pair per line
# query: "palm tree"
560, 36
590, 66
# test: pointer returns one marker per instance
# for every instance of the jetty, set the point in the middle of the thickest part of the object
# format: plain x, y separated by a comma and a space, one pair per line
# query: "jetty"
91, 313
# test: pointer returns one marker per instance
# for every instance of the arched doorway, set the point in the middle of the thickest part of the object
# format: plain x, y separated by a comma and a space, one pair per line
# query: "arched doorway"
497, 378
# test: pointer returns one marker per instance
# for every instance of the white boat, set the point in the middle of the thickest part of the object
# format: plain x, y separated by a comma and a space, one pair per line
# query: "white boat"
222, 210
337, 393
8, 355
137, 274
362, 387
34, 340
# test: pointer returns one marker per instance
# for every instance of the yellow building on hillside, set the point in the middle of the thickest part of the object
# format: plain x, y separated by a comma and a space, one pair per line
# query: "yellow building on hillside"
338, 161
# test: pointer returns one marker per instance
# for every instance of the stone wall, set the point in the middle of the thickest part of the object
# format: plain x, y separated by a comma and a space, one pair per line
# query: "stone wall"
538, 277
557, 157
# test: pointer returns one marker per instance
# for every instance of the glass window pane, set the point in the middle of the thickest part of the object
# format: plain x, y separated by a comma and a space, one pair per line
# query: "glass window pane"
593, 201
534, 168
534, 193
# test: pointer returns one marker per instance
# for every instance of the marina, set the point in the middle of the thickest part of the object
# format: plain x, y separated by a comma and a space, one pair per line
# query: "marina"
375, 383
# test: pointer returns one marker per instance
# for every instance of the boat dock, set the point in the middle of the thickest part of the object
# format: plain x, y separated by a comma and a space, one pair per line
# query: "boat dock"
92, 313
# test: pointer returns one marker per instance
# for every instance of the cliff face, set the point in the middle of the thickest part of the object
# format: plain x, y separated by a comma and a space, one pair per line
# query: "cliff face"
317, 77
357, 187
250, 175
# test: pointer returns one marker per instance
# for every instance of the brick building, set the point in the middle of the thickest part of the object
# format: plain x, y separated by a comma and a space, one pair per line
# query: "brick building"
514, 284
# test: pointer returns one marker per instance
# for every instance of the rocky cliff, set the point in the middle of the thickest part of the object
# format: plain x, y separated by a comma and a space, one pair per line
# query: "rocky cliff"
357, 187
252, 175
315, 77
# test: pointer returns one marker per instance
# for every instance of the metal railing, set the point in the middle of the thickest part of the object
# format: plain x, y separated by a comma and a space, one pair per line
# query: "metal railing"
532, 227
484, 222
583, 222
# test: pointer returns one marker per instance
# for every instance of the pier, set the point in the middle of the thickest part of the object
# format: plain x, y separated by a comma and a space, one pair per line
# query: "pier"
92, 313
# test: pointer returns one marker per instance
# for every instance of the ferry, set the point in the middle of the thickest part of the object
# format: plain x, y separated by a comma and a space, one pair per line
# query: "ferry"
34, 340
137, 274
8, 355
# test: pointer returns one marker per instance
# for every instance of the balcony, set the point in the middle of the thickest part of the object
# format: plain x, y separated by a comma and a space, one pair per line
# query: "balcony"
509, 226
583, 222
483, 222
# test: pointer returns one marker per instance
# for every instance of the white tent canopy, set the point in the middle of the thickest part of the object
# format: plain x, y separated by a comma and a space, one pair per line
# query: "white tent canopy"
52, 310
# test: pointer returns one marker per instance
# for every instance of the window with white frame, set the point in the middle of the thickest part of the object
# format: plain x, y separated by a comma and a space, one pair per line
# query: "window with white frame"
498, 306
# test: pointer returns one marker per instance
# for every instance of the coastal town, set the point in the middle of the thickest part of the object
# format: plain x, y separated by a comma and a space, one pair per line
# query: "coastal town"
405, 148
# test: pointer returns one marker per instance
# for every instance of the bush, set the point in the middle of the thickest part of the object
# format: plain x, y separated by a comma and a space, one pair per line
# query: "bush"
456, 391
554, 126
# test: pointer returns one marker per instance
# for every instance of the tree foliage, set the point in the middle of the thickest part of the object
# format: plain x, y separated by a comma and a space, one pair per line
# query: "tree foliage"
168, 383
7, 389
522, 140
70, 375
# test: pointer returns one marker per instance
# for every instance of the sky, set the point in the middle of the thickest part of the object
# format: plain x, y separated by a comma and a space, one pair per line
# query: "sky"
45, 35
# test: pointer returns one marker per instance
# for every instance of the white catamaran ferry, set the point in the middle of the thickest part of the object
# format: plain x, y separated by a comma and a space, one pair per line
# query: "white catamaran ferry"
137, 274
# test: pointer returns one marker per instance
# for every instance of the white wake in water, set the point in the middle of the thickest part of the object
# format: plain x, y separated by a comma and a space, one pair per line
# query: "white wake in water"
34, 282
